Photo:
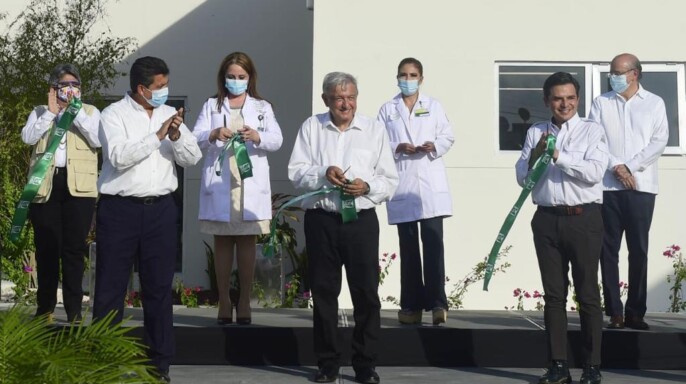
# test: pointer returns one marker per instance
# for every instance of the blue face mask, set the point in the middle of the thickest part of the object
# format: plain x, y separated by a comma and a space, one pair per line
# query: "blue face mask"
159, 97
408, 87
236, 87
618, 83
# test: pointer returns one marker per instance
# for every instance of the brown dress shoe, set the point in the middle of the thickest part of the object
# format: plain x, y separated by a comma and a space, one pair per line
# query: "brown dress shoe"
616, 322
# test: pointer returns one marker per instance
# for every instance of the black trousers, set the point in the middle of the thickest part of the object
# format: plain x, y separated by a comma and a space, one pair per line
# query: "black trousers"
60, 227
629, 212
126, 230
417, 294
561, 241
331, 245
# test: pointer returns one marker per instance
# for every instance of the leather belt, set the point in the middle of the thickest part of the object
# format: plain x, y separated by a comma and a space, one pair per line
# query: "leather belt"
570, 210
147, 200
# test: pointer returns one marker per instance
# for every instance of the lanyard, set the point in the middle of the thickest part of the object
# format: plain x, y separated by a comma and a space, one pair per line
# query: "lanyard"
534, 176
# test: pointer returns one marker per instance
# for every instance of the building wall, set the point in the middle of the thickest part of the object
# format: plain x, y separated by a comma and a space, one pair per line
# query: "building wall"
458, 45
193, 36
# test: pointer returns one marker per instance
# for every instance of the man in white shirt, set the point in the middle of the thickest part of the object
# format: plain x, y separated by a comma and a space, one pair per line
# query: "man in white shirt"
142, 140
567, 225
344, 150
636, 127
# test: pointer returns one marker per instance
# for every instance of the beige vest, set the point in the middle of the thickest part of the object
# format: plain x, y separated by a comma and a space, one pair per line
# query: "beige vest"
82, 162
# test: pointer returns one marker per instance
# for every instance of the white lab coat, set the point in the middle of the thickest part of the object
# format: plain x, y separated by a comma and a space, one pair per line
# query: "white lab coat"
423, 190
215, 196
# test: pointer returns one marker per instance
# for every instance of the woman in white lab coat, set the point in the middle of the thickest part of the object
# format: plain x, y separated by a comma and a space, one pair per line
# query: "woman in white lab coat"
420, 135
235, 211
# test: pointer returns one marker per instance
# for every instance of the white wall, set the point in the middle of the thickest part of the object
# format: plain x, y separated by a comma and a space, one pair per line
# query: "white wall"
458, 43
193, 36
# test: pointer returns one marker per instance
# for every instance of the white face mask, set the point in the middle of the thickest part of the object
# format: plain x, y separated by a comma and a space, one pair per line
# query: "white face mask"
408, 87
159, 97
618, 83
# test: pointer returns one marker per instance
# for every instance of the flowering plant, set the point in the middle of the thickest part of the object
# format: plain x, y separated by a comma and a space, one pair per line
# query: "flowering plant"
133, 299
521, 294
188, 296
477, 273
384, 264
676, 293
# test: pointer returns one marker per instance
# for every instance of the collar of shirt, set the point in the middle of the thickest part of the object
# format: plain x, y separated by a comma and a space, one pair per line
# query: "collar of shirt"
328, 123
640, 93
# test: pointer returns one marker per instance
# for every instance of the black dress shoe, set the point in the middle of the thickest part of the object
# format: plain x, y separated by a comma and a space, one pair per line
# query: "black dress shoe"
558, 373
326, 375
591, 375
616, 322
224, 320
164, 377
367, 375
636, 323
243, 320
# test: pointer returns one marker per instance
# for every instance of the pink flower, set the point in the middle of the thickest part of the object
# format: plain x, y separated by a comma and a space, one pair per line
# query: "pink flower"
676, 247
667, 253
527, 295
307, 294
385, 254
28, 269
393, 256
197, 289
288, 286
537, 294
517, 292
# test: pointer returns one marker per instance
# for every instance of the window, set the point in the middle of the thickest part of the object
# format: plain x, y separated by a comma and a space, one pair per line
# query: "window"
520, 93
520, 96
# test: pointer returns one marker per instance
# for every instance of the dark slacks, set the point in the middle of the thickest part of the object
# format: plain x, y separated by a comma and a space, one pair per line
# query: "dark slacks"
331, 245
417, 294
127, 229
629, 212
561, 241
60, 227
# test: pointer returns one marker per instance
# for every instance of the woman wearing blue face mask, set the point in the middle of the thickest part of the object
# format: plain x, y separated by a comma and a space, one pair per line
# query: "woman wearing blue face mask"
420, 135
62, 211
232, 209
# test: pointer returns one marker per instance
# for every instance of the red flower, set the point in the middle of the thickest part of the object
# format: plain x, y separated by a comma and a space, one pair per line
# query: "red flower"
27, 269
676, 247
668, 253
307, 294
517, 292
393, 256
527, 295
537, 294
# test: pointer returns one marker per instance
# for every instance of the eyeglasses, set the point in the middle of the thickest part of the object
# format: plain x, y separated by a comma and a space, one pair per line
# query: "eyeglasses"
610, 74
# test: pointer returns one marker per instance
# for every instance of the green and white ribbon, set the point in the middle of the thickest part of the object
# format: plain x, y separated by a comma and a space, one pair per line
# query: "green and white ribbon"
41, 167
242, 158
534, 176
347, 216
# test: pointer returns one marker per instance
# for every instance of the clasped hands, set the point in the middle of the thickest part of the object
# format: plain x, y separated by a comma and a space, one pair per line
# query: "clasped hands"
336, 176
624, 176
171, 127
409, 149
224, 134
540, 149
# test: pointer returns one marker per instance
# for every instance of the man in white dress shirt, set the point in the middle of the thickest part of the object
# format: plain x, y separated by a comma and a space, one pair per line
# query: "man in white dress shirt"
142, 140
340, 148
636, 127
567, 226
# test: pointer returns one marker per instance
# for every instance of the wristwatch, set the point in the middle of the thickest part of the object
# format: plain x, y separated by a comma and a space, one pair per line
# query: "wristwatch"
366, 192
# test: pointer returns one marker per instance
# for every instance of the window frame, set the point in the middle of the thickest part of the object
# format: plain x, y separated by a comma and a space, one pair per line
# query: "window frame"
593, 83
587, 96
